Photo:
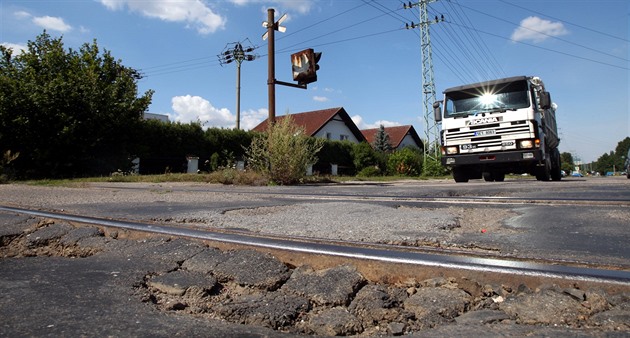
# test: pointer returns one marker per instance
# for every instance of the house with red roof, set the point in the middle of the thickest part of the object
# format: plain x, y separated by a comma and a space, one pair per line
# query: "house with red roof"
399, 136
331, 124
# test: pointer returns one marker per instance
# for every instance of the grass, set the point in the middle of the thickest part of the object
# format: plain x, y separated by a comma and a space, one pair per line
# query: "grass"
226, 176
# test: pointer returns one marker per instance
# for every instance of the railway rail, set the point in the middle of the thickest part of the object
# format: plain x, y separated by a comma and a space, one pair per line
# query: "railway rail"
446, 198
384, 262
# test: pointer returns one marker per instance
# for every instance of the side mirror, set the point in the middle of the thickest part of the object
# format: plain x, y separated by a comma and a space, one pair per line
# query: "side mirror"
545, 100
437, 112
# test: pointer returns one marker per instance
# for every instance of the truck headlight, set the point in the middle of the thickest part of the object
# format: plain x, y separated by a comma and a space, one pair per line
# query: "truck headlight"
526, 144
451, 150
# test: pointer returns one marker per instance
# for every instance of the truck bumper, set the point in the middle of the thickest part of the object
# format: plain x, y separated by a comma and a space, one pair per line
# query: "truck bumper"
529, 156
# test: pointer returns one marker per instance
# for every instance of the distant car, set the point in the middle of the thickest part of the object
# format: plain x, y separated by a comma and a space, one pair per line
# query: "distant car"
577, 174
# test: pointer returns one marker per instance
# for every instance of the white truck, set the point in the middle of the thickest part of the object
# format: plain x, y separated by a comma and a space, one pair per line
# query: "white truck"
493, 128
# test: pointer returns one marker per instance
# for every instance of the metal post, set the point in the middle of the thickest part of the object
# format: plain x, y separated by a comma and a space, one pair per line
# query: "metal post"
238, 96
271, 79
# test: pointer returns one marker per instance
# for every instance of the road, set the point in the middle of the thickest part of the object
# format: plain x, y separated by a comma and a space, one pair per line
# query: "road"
115, 289
578, 220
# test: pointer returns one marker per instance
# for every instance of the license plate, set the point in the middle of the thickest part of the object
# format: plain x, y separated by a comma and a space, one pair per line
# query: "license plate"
485, 132
468, 146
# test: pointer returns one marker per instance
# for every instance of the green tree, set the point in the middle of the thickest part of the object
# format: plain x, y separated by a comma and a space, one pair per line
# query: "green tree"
615, 160
566, 162
363, 156
605, 163
621, 154
381, 141
68, 113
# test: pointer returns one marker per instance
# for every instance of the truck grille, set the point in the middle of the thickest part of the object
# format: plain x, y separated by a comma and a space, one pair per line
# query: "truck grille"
488, 137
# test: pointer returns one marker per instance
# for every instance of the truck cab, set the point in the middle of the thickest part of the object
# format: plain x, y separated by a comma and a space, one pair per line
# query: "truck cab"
492, 128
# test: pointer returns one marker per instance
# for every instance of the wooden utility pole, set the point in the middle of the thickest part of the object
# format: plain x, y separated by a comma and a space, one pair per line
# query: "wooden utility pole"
271, 54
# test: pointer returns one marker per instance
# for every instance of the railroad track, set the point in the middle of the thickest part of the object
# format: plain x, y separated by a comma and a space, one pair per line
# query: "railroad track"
382, 262
445, 198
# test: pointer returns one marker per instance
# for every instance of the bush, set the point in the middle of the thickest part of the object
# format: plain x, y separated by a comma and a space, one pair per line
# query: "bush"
284, 152
364, 156
336, 152
405, 162
434, 168
369, 172
6, 174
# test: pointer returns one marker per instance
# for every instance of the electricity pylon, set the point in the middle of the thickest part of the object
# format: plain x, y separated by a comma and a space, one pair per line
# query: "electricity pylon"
428, 83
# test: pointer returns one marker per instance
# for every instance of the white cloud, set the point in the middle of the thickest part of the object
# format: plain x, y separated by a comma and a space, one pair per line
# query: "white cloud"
320, 98
358, 120
197, 109
22, 15
17, 48
300, 6
46, 22
193, 12
536, 29
190, 108
252, 118
52, 23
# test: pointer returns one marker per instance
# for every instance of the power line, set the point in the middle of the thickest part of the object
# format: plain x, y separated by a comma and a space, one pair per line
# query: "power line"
446, 58
333, 32
478, 44
539, 47
564, 21
178, 66
545, 34
322, 21
465, 51
210, 61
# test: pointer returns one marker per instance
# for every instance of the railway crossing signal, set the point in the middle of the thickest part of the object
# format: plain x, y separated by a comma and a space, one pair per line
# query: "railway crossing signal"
305, 66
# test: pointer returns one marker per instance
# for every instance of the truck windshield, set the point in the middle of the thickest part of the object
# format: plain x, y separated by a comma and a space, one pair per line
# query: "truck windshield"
472, 102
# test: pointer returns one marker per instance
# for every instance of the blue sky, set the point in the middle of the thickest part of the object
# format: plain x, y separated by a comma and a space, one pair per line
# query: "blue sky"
370, 65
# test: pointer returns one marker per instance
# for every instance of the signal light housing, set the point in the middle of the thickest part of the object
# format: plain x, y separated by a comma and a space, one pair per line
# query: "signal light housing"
305, 66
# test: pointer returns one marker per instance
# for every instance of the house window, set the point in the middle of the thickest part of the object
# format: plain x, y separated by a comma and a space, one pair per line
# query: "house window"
328, 136
344, 137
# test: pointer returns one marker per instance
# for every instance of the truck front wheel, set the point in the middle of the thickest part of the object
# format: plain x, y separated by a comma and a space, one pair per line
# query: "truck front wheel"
556, 169
459, 175
544, 173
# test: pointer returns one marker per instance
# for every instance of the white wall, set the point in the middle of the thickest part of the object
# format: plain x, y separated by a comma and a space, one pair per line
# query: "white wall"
336, 128
408, 141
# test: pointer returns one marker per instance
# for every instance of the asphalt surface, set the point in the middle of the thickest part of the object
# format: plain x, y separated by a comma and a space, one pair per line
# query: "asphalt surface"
585, 232
60, 296
61, 280
94, 296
